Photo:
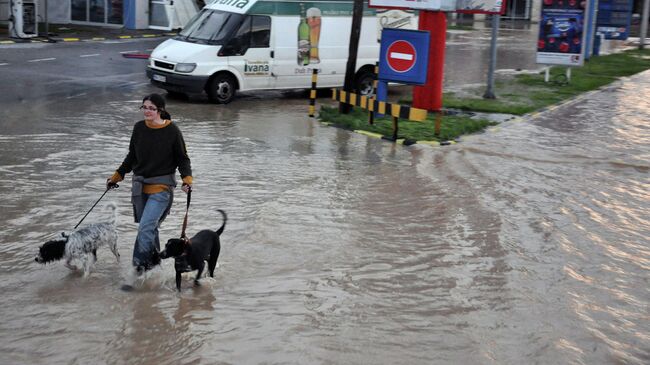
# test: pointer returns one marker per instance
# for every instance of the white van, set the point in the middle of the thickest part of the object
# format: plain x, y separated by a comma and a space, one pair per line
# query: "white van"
259, 44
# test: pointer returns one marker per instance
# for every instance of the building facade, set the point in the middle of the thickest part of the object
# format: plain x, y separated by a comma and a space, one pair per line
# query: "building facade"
140, 14
132, 14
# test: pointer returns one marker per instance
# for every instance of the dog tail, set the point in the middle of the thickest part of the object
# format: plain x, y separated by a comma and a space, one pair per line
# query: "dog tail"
225, 219
113, 208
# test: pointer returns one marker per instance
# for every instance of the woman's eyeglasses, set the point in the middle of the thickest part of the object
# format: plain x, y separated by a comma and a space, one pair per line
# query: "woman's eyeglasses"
150, 108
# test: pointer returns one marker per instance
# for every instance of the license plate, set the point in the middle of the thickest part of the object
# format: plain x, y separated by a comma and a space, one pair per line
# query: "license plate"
160, 78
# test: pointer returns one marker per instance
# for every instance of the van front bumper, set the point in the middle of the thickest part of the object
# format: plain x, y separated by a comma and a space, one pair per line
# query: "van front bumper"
177, 83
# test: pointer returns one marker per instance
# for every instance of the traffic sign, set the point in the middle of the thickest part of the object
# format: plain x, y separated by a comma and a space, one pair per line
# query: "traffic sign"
401, 56
404, 56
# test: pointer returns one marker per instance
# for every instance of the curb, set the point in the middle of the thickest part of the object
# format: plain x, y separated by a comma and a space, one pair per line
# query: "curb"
92, 39
574, 99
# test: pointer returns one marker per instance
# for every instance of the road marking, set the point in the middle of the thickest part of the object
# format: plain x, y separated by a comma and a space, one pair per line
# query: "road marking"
90, 55
42, 59
3, 64
123, 52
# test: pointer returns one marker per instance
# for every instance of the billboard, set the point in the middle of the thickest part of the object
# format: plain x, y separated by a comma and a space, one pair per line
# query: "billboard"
614, 18
481, 6
407, 4
462, 6
561, 36
395, 19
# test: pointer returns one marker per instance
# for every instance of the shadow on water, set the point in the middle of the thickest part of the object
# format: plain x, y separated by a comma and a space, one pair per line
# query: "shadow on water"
160, 328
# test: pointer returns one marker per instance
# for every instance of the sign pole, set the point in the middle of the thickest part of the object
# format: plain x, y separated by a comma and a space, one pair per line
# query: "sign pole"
357, 14
489, 93
644, 23
429, 96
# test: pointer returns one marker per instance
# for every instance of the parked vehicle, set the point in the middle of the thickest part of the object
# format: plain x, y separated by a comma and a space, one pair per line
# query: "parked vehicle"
246, 45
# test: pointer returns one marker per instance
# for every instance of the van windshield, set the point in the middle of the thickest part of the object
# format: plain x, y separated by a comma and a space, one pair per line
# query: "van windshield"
210, 27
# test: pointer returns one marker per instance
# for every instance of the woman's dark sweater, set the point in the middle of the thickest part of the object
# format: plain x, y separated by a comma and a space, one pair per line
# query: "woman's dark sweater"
156, 152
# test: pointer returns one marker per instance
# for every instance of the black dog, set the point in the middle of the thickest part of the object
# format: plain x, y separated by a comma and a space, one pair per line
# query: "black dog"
190, 255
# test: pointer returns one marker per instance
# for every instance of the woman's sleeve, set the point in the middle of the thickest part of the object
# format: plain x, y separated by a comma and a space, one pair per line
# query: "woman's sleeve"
127, 164
182, 158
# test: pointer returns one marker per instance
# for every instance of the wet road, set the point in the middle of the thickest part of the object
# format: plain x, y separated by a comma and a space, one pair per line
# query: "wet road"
526, 244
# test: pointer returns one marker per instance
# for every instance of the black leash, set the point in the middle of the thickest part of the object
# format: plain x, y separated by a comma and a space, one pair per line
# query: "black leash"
91, 208
187, 211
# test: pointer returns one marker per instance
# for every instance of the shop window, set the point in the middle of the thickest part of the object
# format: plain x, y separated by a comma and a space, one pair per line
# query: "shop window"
79, 10
115, 11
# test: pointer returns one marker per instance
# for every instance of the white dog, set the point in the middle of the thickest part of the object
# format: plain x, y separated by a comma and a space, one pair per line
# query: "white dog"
81, 245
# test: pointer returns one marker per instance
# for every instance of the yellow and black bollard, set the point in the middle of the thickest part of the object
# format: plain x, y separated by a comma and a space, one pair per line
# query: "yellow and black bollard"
371, 115
312, 94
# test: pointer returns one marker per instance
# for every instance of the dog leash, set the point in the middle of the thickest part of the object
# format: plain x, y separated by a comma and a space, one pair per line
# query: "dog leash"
93, 207
187, 211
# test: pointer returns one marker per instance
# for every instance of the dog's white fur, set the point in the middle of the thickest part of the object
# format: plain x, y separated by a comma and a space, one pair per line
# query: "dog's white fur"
81, 245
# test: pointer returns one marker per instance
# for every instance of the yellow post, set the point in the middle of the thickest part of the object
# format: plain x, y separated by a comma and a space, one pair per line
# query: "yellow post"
438, 125
312, 94
371, 114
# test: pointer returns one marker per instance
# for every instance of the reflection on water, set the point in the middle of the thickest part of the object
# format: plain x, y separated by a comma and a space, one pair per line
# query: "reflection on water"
523, 245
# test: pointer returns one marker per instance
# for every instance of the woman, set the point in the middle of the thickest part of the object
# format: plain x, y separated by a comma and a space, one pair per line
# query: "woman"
156, 150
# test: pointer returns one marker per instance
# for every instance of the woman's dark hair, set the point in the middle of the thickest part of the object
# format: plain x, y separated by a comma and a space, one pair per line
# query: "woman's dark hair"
159, 102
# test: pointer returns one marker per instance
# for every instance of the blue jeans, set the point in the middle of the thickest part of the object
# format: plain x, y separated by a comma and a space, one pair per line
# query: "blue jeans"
147, 244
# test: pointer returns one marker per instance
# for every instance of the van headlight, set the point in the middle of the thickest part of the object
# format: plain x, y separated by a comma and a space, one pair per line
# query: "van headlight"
185, 67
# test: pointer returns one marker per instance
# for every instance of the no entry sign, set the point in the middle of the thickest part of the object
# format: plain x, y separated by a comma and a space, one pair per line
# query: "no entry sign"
403, 56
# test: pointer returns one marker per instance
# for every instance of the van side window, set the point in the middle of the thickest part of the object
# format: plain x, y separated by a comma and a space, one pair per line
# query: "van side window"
260, 31
241, 40
254, 32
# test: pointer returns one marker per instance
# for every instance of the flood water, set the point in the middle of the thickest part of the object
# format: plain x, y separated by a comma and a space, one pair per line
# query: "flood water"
526, 244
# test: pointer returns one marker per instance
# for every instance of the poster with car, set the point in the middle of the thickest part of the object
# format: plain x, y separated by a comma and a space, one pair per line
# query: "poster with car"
561, 37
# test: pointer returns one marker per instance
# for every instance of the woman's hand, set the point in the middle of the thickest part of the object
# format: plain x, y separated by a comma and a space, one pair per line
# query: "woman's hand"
110, 184
186, 188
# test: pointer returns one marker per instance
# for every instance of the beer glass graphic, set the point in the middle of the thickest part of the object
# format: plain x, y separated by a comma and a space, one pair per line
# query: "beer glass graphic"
313, 20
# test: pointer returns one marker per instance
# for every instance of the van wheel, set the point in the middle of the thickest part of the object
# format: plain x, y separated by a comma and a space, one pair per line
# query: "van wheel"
222, 89
365, 83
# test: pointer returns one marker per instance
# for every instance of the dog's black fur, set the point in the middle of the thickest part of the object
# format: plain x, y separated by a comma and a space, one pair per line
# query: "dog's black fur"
204, 246
52, 250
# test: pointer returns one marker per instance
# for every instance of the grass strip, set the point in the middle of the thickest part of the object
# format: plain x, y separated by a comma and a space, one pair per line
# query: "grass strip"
523, 94
452, 126
518, 94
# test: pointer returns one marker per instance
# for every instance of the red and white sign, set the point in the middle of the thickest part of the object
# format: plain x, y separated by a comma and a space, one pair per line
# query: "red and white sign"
461, 6
401, 56
407, 4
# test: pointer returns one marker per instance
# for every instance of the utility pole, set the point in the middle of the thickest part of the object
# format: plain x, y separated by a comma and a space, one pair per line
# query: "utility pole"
489, 93
355, 33
644, 23
47, 26
47, 31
